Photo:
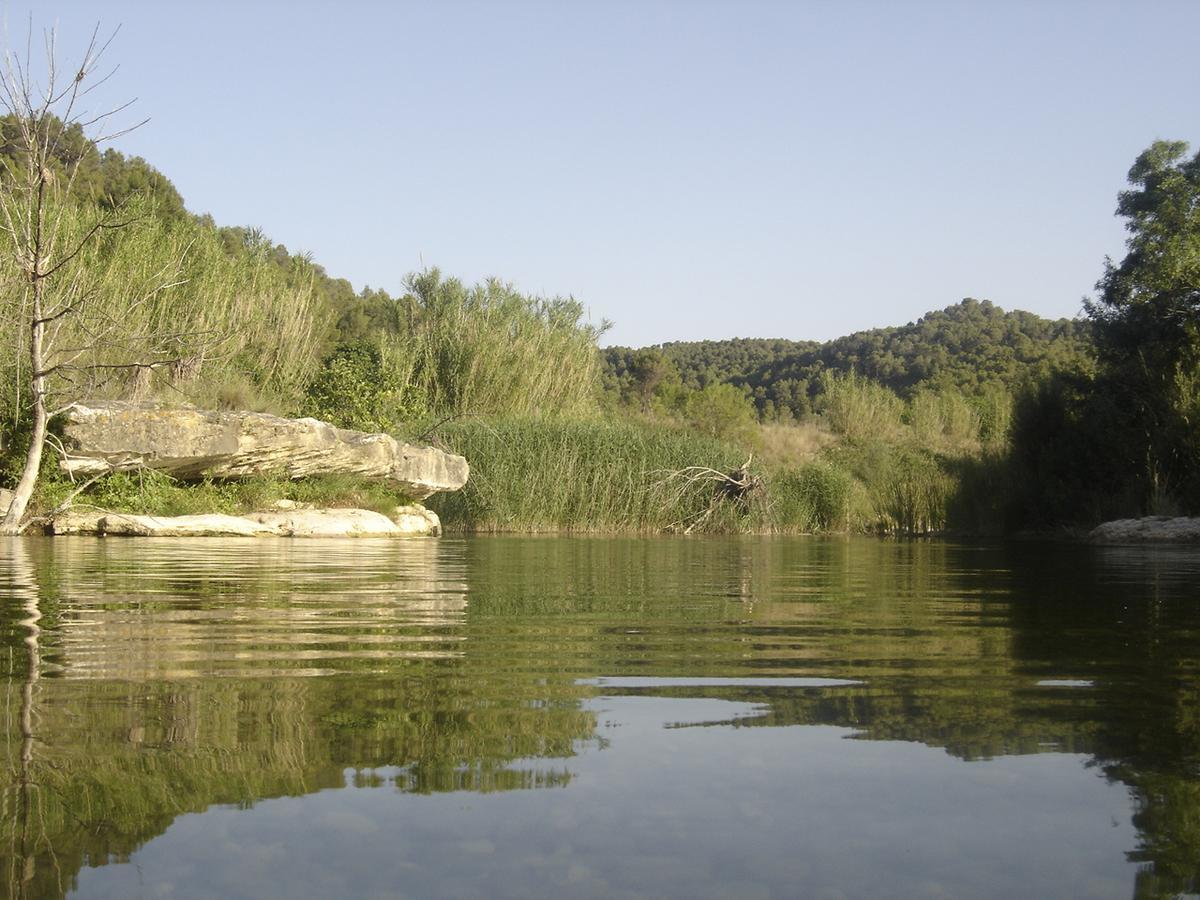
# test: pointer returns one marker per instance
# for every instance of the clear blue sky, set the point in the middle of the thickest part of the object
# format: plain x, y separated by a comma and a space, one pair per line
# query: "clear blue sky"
688, 170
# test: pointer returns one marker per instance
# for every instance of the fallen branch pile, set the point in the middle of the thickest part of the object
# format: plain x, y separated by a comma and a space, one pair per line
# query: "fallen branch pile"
708, 489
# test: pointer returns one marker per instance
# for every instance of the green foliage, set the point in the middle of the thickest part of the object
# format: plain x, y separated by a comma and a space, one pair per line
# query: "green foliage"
905, 489
197, 317
445, 348
1124, 441
146, 492
859, 409
361, 387
581, 475
153, 493
492, 350
722, 412
814, 498
943, 420
1147, 318
1149, 305
973, 346
106, 178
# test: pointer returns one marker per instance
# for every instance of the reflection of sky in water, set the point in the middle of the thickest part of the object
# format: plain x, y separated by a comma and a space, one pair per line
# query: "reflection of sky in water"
663, 812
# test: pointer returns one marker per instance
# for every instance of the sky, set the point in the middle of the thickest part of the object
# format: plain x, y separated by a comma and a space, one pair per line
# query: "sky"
688, 170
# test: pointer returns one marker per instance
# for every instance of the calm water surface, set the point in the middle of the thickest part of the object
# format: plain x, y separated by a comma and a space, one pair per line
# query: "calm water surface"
560, 717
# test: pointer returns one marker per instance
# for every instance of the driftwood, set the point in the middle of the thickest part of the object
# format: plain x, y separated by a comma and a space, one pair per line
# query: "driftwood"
718, 489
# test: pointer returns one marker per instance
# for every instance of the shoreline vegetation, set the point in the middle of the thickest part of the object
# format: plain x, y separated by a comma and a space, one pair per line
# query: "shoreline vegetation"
970, 421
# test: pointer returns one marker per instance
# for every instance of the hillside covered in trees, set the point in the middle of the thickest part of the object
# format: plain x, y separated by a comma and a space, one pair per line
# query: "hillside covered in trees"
973, 346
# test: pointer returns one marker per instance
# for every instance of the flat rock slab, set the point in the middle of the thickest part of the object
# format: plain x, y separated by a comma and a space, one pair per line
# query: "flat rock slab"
190, 444
409, 521
328, 523
214, 525
1156, 529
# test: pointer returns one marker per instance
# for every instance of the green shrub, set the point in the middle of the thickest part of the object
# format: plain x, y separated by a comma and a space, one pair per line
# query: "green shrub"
363, 386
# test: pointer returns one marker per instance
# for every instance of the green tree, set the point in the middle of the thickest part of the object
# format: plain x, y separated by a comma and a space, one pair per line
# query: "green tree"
649, 369
1147, 318
1148, 308
46, 152
722, 411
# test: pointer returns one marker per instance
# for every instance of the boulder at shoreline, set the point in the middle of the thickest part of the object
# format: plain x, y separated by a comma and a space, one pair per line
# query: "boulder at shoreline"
1150, 529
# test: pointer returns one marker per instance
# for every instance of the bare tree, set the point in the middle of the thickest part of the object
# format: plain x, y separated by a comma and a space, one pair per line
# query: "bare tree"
67, 334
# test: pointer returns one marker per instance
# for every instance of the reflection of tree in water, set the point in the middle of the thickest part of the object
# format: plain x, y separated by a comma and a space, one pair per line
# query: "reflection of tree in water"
1126, 619
158, 696
1070, 649
122, 729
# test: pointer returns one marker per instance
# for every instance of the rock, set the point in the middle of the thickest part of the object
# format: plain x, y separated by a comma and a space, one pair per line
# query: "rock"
290, 504
76, 521
1157, 529
328, 523
191, 443
410, 521
417, 520
215, 525
6, 498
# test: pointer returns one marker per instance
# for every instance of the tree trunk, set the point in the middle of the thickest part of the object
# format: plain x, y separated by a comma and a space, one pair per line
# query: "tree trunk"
11, 524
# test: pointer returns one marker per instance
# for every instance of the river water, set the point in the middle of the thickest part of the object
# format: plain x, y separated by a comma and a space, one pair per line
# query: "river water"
593, 717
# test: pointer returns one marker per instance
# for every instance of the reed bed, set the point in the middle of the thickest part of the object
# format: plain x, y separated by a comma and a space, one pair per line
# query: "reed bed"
578, 475
169, 298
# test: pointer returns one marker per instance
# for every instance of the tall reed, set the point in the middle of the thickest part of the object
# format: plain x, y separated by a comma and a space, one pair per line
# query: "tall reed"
488, 349
169, 297
580, 475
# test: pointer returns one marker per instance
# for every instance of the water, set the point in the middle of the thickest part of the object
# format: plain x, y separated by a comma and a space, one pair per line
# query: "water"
560, 717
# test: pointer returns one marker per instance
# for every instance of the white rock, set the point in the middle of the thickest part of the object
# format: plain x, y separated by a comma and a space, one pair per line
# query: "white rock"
415, 519
328, 523
77, 521
213, 525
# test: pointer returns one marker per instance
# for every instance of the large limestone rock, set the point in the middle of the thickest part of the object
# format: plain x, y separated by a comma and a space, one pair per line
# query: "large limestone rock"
209, 525
1167, 529
191, 443
6, 498
327, 523
297, 521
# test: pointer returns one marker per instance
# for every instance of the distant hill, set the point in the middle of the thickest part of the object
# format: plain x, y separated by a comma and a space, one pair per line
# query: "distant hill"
973, 346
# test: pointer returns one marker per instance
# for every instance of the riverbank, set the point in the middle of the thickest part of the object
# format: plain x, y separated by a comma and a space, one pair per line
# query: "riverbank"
610, 475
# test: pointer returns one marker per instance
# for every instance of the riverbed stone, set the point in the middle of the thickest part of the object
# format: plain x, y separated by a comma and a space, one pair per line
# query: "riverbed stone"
300, 521
77, 520
190, 443
1156, 529
327, 523
208, 525
415, 519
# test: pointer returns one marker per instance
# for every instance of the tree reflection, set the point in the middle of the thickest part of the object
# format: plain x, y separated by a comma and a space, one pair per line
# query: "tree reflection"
150, 680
